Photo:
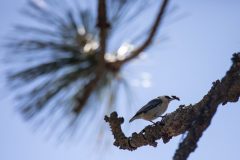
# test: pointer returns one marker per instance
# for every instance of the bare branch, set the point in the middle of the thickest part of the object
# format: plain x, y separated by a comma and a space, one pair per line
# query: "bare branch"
151, 35
189, 144
192, 118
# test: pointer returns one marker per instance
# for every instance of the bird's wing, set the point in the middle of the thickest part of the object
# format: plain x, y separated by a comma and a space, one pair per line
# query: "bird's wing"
150, 105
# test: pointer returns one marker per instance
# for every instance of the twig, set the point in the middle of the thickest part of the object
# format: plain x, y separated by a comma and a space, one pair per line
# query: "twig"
184, 118
151, 35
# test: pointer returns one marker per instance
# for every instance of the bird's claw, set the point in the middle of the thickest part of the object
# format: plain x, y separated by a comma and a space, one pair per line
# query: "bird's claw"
163, 116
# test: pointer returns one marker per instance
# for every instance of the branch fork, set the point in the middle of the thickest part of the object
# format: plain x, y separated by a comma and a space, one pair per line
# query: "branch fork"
191, 119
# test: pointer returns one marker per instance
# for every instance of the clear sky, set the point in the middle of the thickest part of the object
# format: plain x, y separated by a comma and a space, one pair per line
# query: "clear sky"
196, 53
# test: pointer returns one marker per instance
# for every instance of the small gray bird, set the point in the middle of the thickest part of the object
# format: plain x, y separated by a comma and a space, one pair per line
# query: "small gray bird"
154, 108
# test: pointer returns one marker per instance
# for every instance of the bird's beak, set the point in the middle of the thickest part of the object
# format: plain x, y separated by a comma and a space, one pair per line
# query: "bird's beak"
175, 98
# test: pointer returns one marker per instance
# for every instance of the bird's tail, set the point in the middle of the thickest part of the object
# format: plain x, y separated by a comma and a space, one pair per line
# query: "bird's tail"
133, 118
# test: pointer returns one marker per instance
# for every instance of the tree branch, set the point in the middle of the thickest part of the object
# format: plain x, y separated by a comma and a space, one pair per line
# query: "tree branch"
85, 94
151, 35
103, 26
193, 119
202, 122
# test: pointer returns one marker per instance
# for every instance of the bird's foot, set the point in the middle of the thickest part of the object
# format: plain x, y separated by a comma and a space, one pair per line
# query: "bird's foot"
163, 116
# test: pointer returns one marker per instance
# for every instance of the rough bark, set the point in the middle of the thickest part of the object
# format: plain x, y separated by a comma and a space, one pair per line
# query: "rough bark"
193, 119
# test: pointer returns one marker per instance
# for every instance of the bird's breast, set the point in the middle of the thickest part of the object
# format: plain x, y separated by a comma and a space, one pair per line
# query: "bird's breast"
155, 112
160, 109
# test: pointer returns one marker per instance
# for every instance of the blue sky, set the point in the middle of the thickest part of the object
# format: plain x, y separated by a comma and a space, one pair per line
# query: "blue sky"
196, 53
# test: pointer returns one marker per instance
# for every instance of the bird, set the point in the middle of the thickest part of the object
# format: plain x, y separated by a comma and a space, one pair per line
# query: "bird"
154, 108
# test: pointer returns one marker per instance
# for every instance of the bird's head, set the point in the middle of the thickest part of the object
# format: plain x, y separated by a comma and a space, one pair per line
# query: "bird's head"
170, 98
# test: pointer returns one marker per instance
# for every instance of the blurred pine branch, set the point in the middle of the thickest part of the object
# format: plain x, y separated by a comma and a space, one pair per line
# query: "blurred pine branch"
74, 40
